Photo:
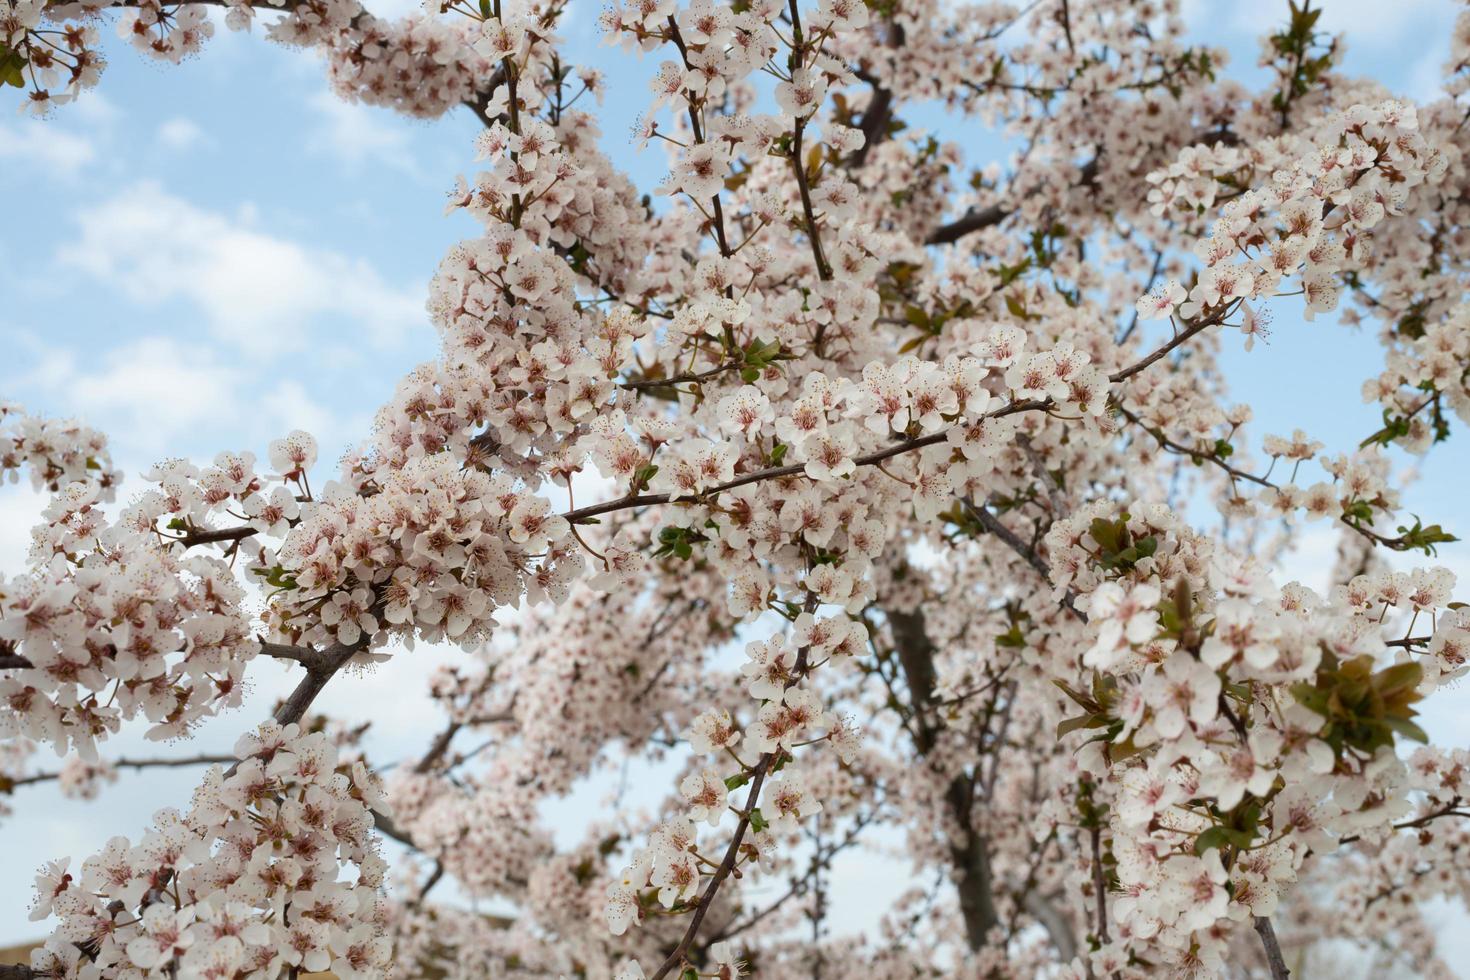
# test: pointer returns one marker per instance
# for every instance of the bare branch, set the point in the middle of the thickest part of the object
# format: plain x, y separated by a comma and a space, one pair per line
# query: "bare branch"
1274, 959
180, 762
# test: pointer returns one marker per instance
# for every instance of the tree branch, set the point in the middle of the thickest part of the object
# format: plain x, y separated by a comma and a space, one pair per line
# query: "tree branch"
993, 524
732, 853
776, 472
1274, 959
318, 672
975, 219
970, 849
727, 865
193, 760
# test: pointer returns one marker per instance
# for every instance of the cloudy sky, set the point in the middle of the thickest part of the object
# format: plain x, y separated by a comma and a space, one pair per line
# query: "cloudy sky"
203, 257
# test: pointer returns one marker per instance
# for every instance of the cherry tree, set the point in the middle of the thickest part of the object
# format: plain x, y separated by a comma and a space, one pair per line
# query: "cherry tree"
904, 500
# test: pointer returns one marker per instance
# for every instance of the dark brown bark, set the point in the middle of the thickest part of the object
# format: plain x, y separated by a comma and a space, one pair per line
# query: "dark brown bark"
969, 849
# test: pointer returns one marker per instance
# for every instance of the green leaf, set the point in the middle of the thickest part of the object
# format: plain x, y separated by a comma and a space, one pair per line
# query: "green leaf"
644, 474
12, 65
1424, 538
757, 820
276, 577
1013, 638
1082, 700
1407, 729
1212, 839
1096, 720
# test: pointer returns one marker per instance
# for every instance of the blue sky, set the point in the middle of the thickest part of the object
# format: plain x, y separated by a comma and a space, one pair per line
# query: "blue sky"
203, 257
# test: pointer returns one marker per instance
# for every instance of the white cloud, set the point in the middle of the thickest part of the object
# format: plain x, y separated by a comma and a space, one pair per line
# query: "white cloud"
257, 291
159, 396
41, 145
357, 134
1310, 558
181, 134
94, 109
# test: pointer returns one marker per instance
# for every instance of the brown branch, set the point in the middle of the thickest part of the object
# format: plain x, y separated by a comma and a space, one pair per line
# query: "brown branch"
969, 850
688, 377
874, 123
1178, 449
821, 860
975, 219
776, 472
197, 760
718, 222
879, 111
581, 514
1193, 328
971, 221
732, 853
993, 525
1099, 883
1450, 809
1054, 493
317, 675
437, 748
1274, 959
803, 183
215, 535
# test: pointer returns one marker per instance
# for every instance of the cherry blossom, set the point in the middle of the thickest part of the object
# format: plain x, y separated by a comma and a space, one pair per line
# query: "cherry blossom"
842, 480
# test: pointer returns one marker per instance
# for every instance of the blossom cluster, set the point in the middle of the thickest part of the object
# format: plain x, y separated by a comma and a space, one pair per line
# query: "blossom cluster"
246, 881
842, 477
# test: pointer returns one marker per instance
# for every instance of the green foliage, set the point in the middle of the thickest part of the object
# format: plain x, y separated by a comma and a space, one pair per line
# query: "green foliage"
1394, 427
1423, 538
1303, 57
1118, 551
678, 541
12, 67
758, 355
1097, 713
1238, 828
1015, 637
932, 324
1176, 614
1364, 708
642, 476
276, 577
1008, 274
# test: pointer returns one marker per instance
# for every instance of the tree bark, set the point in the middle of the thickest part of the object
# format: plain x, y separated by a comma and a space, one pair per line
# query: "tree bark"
1274, 959
969, 849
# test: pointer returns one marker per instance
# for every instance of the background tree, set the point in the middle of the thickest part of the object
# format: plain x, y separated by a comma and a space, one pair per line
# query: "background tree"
896, 543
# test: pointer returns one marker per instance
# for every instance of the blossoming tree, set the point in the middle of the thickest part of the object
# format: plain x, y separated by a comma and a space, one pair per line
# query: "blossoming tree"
898, 540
